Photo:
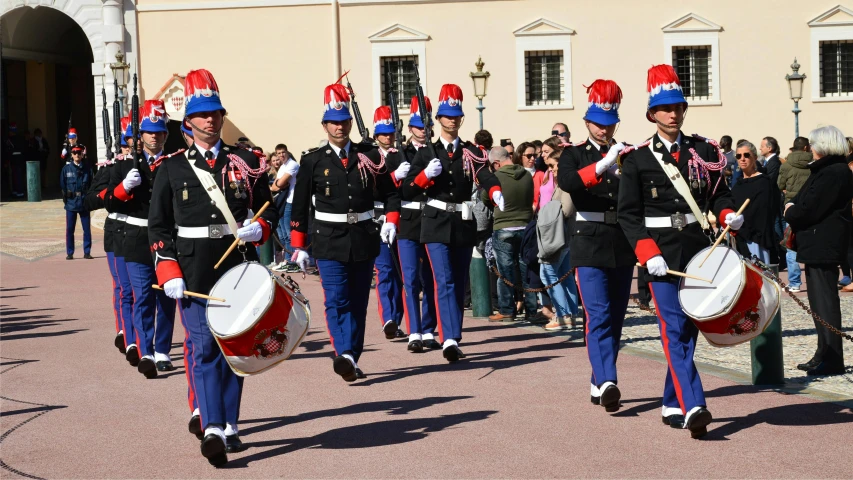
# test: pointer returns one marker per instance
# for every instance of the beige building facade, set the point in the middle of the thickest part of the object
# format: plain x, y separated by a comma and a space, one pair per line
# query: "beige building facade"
272, 59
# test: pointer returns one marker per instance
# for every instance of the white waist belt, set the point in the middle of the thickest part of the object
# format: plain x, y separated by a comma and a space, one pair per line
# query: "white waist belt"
344, 217
411, 205
670, 221
447, 207
211, 231
117, 216
379, 205
139, 222
601, 217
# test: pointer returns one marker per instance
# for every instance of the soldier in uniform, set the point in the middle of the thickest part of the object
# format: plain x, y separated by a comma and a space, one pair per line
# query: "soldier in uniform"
74, 180
665, 232
129, 194
389, 285
71, 141
340, 179
206, 226
415, 267
600, 254
448, 228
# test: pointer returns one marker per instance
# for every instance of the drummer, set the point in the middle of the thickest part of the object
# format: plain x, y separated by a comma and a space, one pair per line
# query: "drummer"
339, 180
667, 229
185, 258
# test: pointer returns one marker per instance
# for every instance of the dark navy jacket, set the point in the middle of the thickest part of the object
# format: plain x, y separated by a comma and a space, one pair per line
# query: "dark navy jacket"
75, 180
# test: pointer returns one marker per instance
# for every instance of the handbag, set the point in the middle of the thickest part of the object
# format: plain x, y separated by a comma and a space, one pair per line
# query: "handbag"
789, 239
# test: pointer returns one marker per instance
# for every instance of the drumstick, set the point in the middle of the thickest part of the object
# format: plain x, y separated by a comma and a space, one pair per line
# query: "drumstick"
237, 240
722, 235
680, 274
193, 294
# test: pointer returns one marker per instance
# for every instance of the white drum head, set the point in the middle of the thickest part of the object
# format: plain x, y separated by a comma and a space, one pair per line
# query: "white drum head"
248, 292
768, 306
701, 300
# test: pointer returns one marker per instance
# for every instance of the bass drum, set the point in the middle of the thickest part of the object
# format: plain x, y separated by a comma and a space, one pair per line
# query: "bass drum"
262, 320
736, 306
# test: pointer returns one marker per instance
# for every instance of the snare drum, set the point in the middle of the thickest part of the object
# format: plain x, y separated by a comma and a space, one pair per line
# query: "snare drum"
736, 306
262, 320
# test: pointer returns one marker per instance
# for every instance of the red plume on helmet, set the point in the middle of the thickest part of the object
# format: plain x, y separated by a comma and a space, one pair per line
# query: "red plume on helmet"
201, 92
604, 99
664, 88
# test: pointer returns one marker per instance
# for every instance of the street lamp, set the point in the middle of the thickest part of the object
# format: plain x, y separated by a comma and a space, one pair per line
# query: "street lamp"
795, 85
120, 70
481, 82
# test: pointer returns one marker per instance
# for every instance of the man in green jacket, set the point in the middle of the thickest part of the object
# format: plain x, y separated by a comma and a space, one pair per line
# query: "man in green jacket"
793, 174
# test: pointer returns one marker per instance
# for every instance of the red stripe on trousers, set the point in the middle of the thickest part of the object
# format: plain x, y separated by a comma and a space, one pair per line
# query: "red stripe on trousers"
665, 341
435, 296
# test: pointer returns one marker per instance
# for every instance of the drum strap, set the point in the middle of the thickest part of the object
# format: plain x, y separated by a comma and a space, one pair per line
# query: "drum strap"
680, 185
212, 189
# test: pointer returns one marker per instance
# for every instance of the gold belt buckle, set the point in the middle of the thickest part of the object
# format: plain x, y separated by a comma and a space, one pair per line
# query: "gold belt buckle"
214, 231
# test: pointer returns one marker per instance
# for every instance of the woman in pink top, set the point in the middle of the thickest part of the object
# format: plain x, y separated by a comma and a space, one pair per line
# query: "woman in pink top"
543, 182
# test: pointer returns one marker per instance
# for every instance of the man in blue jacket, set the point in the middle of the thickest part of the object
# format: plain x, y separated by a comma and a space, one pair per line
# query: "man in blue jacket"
75, 180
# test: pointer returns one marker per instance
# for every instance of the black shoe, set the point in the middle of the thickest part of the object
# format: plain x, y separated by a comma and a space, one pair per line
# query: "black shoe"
233, 444
195, 427
88, 257
359, 374
164, 366
345, 368
595, 400
213, 449
610, 397
119, 343
431, 345
698, 423
825, 369
416, 346
390, 329
674, 421
69, 257
400, 334
132, 356
148, 368
452, 353
811, 364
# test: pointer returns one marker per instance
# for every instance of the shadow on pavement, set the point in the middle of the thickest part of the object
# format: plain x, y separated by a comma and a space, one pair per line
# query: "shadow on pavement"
13, 321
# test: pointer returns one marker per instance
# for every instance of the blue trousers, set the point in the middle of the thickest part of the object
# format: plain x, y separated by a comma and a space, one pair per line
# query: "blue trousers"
450, 272
283, 229
389, 287
417, 277
564, 296
71, 224
147, 303
122, 298
604, 293
683, 387
346, 292
189, 361
214, 387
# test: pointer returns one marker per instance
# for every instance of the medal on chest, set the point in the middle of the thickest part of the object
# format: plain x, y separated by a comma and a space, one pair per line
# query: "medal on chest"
236, 182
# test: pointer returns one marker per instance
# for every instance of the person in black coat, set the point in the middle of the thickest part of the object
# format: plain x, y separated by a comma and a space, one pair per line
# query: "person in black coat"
757, 237
820, 217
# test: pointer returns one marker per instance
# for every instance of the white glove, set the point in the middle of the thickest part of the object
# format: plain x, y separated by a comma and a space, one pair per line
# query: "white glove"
251, 231
402, 171
610, 159
657, 266
300, 257
734, 220
388, 232
174, 288
498, 198
131, 180
433, 168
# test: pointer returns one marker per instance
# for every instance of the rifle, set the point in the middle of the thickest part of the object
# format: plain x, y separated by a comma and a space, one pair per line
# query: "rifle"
395, 115
117, 133
66, 145
362, 130
134, 120
105, 117
426, 115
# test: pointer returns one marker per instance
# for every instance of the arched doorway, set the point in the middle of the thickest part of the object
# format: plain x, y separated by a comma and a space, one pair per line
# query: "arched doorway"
47, 80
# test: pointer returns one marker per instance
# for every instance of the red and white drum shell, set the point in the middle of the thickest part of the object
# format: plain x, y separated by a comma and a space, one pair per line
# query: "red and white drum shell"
260, 323
736, 306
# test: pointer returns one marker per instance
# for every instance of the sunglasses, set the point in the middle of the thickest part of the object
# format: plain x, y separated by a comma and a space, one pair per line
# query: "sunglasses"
529, 155
556, 133
745, 155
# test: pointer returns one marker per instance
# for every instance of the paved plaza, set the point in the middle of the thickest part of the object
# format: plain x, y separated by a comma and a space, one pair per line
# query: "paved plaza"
517, 407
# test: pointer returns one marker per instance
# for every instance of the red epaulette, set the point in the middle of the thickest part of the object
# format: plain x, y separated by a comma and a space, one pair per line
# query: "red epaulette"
119, 157
631, 148
579, 144
173, 154
392, 150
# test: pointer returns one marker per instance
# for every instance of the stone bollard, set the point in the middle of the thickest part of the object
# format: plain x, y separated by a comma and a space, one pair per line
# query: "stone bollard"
33, 181
481, 294
766, 351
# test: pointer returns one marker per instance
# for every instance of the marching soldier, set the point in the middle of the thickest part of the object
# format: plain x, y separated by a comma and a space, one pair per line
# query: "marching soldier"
600, 254
129, 194
184, 257
389, 285
340, 179
448, 228
667, 229
414, 264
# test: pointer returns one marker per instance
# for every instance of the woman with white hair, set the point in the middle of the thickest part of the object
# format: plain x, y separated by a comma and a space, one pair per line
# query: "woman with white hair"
820, 217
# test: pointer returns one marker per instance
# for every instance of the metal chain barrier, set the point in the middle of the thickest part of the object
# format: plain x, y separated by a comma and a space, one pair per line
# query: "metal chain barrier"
528, 290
